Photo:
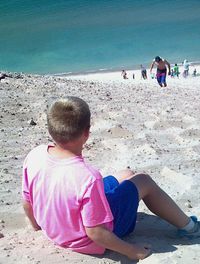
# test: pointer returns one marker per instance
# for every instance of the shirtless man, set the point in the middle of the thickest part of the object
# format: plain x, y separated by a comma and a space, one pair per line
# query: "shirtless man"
161, 70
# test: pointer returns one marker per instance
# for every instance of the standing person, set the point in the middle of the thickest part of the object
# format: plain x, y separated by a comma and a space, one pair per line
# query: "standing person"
185, 68
194, 72
143, 72
176, 70
172, 73
74, 206
161, 70
124, 74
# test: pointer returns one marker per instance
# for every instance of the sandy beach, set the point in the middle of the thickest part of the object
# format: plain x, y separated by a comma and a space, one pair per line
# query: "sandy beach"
136, 124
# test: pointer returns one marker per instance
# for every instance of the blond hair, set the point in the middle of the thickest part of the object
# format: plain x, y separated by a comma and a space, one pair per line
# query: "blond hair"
67, 119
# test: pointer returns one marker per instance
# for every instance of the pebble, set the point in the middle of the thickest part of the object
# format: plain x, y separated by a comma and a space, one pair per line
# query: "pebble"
32, 122
188, 205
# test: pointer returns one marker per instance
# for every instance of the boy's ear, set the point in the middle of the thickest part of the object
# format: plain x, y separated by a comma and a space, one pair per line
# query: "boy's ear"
87, 132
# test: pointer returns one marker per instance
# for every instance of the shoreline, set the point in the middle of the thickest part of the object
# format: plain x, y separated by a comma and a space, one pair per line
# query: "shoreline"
135, 67
114, 70
107, 76
115, 76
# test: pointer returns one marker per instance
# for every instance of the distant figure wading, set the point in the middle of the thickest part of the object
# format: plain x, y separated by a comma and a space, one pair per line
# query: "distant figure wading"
161, 70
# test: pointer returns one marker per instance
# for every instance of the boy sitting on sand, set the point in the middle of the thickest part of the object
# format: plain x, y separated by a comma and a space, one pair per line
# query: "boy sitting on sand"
77, 209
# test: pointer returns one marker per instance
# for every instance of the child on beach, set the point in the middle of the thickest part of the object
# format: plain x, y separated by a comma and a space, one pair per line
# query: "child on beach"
124, 74
176, 70
78, 209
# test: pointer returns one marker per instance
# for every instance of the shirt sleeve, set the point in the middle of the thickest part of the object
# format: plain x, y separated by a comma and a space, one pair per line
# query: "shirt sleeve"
25, 185
95, 208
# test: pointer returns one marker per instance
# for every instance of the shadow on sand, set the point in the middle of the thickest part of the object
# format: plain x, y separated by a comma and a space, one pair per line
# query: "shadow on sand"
155, 231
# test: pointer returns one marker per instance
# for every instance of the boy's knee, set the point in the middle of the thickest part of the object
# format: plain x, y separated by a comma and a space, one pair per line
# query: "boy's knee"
125, 174
143, 176
143, 183
147, 182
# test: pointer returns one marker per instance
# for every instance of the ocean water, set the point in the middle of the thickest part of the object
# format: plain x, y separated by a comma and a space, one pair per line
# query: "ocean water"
48, 36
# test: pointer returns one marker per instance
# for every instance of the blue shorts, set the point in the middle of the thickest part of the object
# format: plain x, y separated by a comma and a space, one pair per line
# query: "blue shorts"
123, 199
161, 78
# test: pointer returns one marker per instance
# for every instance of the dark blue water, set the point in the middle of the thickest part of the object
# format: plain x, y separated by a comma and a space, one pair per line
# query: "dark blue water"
48, 36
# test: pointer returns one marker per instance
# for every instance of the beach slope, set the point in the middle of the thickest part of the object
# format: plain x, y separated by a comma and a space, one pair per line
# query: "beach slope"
135, 124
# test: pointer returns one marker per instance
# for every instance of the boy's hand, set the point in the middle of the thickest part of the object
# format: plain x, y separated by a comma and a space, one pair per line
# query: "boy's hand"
140, 251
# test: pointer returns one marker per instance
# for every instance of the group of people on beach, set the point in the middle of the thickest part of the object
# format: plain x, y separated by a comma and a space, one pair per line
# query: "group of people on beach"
162, 66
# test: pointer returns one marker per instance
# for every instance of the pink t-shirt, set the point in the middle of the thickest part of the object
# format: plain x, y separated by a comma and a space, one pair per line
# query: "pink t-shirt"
66, 195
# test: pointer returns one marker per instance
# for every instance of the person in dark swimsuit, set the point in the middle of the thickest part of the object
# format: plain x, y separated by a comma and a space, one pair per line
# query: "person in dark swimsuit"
161, 70
143, 72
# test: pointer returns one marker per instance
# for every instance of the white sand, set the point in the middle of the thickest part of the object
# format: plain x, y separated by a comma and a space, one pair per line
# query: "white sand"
117, 76
135, 123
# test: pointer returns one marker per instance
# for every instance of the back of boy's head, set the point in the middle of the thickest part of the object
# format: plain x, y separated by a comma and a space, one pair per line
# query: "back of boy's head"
67, 119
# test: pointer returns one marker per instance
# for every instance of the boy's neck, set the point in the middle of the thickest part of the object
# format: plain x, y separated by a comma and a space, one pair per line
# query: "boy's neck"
70, 149
65, 152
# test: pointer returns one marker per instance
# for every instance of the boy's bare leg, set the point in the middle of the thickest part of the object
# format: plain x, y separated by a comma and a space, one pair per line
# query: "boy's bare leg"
158, 201
155, 198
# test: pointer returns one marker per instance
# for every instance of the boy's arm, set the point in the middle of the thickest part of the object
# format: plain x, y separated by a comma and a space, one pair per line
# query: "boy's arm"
109, 240
29, 213
152, 65
169, 67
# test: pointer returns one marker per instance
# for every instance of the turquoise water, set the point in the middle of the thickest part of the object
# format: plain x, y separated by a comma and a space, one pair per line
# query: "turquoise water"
48, 36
